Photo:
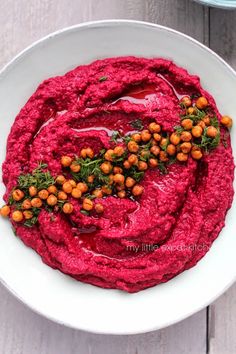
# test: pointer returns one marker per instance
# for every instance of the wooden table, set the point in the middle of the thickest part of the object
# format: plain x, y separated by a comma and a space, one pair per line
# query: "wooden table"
212, 330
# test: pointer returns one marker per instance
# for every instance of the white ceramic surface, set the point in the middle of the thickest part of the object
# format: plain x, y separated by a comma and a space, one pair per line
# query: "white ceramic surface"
57, 296
224, 4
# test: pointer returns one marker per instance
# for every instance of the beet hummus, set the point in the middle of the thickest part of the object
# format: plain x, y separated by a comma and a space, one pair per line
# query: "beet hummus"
133, 241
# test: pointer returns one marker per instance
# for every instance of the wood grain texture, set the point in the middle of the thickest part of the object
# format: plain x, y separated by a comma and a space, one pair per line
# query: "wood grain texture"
21, 330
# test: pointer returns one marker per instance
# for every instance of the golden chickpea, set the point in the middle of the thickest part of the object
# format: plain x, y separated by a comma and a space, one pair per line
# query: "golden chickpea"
5, 211
17, 216
43, 194
66, 161
197, 131
155, 150
207, 120
111, 179
67, 187
163, 156
142, 166
211, 132
98, 193
52, 200
60, 179
133, 159
75, 167
201, 103
106, 190
27, 214
145, 153
72, 182
171, 149
175, 138
137, 190
52, 189
18, 195
186, 136
196, 153
191, 111
153, 142
226, 121
119, 151
106, 167
186, 147
119, 178
163, 143
109, 155
201, 124
76, 193
157, 137
133, 146
182, 157
33, 191
121, 194
186, 101
90, 179
136, 137
145, 135
26, 204
130, 182
90, 153
153, 163
99, 208
187, 124
154, 127
120, 187
126, 164
62, 195
67, 208
36, 202
82, 187
87, 204
117, 169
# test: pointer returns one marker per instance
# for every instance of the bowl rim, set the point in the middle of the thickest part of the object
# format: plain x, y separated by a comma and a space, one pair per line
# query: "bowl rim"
220, 4
94, 24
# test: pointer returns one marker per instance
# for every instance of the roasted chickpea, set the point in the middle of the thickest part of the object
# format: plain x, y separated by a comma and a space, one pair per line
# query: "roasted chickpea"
52, 189
43, 194
67, 187
171, 149
28, 214
26, 204
18, 195
72, 182
163, 156
186, 136
98, 193
52, 200
163, 143
196, 153
90, 152
67, 208
153, 163
187, 124
121, 194
126, 164
175, 138
197, 131
111, 179
87, 204
60, 179
145, 135
226, 121
90, 179
154, 127
157, 137
186, 101
201, 103
201, 124
99, 208
17, 216
155, 150
133, 159
106, 167
76, 193
133, 146
182, 157
191, 111
137, 190
207, 120
117, 169
186, 147
136, 137
145, 154
119, 178
33, 191
66, 161
5, 211
153, 142
75, 167
62, 195
82, 187
130, 182
106, 190
109, 155
211, 132
36, 202
119, 151
142, 166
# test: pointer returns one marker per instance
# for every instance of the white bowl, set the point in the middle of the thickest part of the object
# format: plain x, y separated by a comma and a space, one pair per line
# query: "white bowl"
224, 4
57, 296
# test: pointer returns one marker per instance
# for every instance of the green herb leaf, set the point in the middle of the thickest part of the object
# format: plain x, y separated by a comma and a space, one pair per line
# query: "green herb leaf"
85, 212
137, 124
103, 78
